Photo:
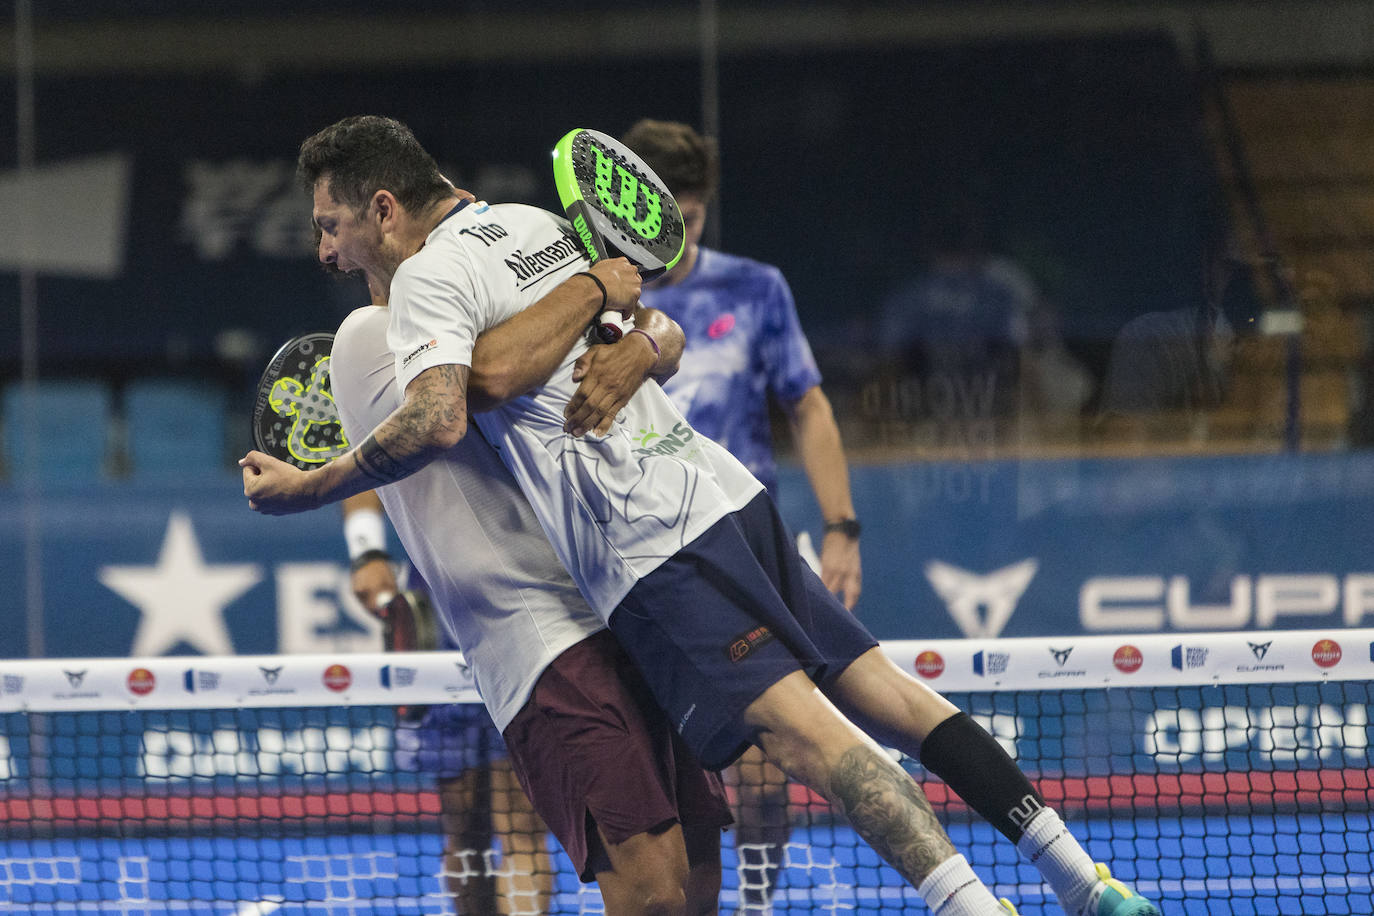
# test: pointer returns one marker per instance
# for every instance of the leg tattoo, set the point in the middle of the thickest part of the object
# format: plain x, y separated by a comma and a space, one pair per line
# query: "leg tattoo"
890, 812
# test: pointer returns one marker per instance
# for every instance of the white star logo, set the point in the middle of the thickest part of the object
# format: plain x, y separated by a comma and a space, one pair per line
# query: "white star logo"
965, 592
181, 598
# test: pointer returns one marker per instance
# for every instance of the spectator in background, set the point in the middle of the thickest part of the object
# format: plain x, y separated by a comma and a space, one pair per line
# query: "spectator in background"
1169, 367
959, 327
744, 345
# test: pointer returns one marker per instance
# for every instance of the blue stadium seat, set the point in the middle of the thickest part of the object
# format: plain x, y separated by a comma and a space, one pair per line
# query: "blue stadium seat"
174, 427
71, 427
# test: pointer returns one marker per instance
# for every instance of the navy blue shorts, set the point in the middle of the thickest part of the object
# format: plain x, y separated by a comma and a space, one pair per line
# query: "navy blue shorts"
451, 739
724, 619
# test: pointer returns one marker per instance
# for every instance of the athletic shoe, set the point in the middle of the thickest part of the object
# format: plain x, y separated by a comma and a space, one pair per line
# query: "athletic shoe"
1112, 898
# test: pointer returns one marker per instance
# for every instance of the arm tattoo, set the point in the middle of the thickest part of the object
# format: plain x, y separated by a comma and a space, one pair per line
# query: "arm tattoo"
434, 408
890, 812
376, 463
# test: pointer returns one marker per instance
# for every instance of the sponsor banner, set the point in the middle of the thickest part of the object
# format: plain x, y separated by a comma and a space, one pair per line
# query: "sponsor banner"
989, 549
360, 679
1046, 548
1050, 663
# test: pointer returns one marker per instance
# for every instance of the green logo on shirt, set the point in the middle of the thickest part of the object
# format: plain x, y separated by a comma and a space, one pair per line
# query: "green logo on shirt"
670, 444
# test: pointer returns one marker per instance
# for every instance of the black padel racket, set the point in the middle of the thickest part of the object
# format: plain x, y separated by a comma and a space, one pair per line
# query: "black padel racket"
618, 207
295, 418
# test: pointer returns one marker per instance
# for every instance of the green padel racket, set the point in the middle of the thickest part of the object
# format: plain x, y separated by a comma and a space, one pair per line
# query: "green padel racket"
294, 417
618, 207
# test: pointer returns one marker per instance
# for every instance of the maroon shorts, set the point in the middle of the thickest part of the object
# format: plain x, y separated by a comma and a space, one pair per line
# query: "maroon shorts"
592, 750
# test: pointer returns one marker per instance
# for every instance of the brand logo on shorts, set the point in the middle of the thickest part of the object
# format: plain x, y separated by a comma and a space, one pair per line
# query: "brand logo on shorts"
743, 644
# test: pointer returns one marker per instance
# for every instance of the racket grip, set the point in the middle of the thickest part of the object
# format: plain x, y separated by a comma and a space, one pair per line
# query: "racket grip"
611, 326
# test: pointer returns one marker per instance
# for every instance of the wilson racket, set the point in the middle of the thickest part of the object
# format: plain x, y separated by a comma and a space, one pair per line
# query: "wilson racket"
618, 207
295, 418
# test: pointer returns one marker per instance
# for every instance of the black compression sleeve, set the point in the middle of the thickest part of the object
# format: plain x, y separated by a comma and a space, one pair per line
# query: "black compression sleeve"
982, 773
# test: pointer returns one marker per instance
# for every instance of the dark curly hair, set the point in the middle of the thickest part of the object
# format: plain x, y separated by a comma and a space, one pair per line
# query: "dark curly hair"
364, 154
687, 162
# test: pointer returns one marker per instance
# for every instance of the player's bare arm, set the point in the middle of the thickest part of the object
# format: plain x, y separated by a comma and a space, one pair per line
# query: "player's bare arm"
432, 420
817, 438
520, 353
608, 376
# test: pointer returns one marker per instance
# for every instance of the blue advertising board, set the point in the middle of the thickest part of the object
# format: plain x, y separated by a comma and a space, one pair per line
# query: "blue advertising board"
989, 549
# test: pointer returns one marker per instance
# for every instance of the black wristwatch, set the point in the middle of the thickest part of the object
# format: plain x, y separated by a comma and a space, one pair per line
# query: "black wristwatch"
849, 527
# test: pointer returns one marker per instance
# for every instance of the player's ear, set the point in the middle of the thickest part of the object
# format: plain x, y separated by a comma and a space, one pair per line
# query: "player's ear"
385, 207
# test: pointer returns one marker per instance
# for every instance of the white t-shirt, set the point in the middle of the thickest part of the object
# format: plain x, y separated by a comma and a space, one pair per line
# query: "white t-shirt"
500, 589
614, 508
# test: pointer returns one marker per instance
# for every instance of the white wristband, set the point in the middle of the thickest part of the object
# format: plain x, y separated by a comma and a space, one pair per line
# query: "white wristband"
364, 530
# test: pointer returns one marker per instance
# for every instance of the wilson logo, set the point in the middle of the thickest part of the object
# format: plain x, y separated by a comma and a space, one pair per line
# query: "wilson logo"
623, 202
585, 234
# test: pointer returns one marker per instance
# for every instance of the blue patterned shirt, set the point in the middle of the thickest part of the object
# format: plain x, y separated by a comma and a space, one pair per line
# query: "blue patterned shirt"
744, 342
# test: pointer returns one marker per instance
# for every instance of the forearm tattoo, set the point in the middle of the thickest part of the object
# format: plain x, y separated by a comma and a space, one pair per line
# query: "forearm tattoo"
434, 408
890, 812
377, 464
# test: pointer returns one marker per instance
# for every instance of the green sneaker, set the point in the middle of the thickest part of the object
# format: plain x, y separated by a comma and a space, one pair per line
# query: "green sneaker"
1112, 898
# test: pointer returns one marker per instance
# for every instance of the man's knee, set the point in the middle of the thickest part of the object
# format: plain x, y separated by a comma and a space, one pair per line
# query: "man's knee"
647, 874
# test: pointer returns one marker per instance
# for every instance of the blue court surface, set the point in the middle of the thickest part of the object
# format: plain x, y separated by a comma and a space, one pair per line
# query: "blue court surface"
1307, 864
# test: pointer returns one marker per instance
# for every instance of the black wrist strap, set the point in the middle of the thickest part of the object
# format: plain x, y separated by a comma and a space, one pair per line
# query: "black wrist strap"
599, 285
849, 527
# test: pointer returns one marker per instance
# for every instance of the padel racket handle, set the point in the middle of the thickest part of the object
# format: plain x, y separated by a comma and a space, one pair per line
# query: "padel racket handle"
611, 326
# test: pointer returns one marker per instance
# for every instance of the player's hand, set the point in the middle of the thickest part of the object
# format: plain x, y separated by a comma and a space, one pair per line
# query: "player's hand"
609, 375
374, 584
274, 487
840, 568
623, 283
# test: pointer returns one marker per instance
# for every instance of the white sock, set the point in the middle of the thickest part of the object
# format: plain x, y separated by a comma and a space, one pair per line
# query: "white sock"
952, 889
1049, 846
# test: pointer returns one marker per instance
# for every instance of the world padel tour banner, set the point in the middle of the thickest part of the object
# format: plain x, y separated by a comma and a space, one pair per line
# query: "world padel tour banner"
950, 550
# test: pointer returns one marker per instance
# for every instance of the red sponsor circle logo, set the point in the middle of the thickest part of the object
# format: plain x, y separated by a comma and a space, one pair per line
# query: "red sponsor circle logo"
1128, 659
1326, 653
337, 678
929, 664
141, 682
